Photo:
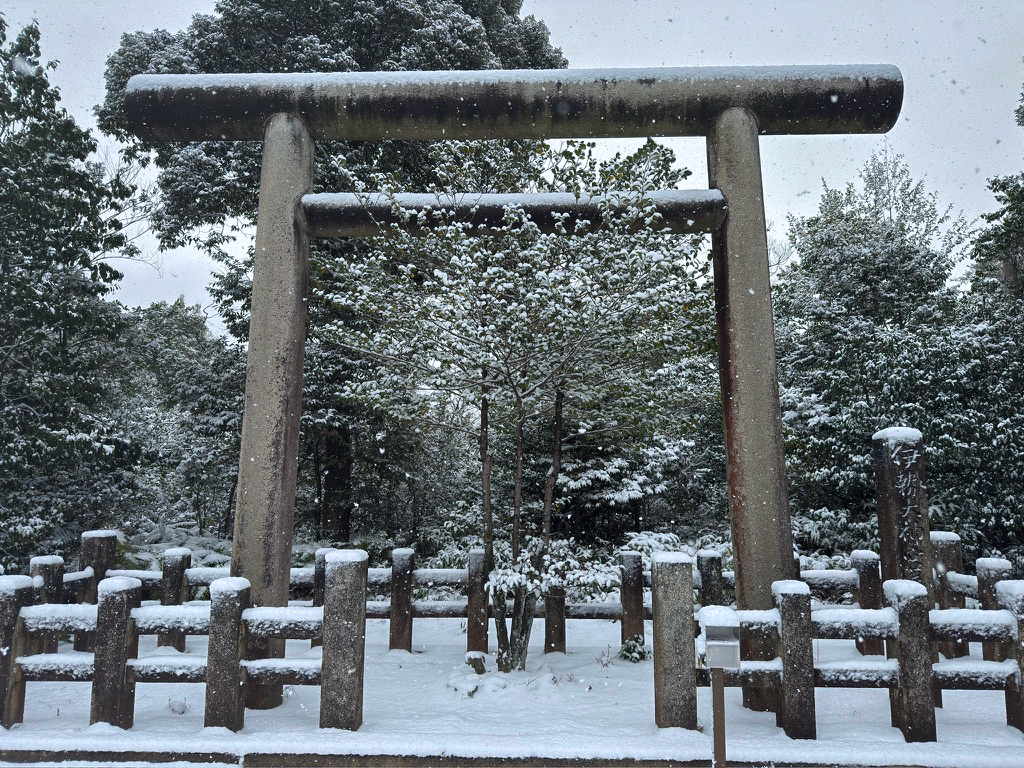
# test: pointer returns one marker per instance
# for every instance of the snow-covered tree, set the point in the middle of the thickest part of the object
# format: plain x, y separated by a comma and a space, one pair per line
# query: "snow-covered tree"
181, 397
206, 190
61, 460
872, 334
586, 330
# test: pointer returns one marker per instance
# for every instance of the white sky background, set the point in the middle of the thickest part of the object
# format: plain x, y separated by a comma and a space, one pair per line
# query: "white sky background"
961, 62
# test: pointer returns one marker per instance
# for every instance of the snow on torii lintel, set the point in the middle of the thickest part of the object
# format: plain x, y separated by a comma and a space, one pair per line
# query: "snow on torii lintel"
538, 104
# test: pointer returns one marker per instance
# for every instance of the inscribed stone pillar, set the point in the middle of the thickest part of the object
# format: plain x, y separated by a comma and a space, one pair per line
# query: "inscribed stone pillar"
900, 477
273, 381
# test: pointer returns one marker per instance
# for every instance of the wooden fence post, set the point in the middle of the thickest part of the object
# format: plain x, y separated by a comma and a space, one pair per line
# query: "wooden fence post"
403, 563
796, 707
912, 703
709, 566
1010, 595
869, 595
476, 595
554, 621
905, 547
225, 676
15, 593
113, 696
319, 574
675, 669
948, 552
631, 596
991, 570
49, 568
341, 671
174, 591
98, 551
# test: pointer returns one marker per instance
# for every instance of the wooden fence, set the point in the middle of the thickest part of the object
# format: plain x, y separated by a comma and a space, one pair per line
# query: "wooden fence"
894, 625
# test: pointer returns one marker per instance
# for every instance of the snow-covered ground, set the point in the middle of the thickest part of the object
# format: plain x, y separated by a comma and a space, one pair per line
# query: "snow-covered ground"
586, 703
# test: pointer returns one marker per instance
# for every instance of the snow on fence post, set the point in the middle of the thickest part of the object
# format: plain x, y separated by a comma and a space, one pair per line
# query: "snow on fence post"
15, 593
991, 570
98, 551
1010, 595
911, 703
631, 596
796, 711
709, 566
49, 568
948, 552
344, 633
174, 591
675, 668
403, 563
905, 546
869, 595
476, 594
225, 681
113, 697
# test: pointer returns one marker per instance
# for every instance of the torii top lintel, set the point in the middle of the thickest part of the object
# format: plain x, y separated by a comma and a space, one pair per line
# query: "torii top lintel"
526, 104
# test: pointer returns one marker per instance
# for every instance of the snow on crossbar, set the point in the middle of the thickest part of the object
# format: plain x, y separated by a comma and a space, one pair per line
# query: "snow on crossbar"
350, 215
537, 104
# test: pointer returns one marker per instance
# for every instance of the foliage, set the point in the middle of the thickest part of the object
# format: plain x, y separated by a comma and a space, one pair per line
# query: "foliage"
183, 400
357, 460
602, 316
635, 650
582, 573
65, 464
871, 334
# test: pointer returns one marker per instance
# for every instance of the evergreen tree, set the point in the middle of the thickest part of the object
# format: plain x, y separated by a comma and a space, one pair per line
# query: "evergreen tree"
206, 190
992, 313
867, 339
64, 462
182, 397
574, 339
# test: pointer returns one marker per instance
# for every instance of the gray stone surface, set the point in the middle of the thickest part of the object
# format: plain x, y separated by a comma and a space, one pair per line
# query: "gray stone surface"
797, 710
758, 493
349, 215
631, 595
342, 670
675, 676
901, 484
268, 463
225, 696
539, 104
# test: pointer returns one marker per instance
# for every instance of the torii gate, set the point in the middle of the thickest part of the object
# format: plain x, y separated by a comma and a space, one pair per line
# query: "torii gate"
728, 105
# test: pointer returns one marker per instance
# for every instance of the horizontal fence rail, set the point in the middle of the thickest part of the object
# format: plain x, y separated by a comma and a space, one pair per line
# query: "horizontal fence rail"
895, 626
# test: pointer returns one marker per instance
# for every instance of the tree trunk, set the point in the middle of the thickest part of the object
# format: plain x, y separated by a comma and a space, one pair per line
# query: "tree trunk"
517, 499
552, 478
526, 601
318, 508
497, 597
228, 521
337, 505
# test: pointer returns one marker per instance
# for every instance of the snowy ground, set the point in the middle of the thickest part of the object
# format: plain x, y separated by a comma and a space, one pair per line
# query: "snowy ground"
585, 703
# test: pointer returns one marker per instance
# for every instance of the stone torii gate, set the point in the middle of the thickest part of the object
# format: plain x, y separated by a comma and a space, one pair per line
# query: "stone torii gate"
730, 106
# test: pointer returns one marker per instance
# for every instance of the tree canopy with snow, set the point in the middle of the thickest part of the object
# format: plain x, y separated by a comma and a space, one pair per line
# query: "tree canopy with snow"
205, 191
63, 456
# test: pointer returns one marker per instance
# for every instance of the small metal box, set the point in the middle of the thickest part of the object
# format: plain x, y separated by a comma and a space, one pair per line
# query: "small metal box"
722, 637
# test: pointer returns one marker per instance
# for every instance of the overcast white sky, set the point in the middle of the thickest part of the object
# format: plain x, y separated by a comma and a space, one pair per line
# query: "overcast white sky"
961, 61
